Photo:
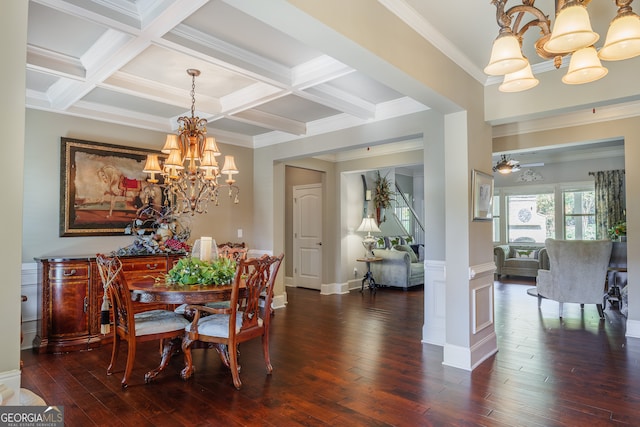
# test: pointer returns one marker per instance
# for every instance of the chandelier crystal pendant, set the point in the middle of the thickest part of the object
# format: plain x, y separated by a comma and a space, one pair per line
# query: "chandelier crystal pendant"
571, 35
190, 172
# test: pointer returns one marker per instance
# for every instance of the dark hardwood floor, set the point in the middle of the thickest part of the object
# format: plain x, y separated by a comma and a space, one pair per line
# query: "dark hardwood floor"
357, 360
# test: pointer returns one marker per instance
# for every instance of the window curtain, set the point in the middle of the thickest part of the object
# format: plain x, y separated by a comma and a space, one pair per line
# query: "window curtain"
610, 203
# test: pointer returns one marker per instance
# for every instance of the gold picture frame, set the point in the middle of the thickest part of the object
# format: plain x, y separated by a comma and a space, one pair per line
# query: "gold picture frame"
102, 186
482, 200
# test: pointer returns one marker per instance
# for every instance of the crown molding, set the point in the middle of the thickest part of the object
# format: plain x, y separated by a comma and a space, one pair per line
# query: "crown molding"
582, 117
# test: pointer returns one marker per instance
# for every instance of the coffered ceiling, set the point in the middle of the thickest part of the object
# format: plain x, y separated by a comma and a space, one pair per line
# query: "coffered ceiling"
125, 61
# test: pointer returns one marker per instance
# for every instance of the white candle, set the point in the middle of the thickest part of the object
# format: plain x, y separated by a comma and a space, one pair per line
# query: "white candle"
205, 248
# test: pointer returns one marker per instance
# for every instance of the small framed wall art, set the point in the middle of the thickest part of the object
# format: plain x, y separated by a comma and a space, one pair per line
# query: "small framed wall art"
482, 192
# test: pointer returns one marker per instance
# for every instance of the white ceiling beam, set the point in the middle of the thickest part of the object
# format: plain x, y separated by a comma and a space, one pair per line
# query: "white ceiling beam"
149, 89
271, 121
317, 71
341, 101
54, 63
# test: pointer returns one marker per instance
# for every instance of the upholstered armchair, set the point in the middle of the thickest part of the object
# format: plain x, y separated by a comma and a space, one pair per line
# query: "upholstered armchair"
577, 272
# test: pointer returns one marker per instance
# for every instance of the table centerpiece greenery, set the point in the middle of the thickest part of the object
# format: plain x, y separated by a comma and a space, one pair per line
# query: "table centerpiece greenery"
193, 271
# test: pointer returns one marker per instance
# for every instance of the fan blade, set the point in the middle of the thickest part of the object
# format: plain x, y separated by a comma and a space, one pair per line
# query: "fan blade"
531, 165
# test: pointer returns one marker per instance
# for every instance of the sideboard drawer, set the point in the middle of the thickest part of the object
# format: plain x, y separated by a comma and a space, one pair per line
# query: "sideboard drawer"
68, 271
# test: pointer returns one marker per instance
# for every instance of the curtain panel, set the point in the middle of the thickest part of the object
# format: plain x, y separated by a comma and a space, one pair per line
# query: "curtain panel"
610, 203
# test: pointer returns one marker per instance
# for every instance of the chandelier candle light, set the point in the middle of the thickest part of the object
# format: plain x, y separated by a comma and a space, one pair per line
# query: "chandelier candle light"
571, 35
190, 172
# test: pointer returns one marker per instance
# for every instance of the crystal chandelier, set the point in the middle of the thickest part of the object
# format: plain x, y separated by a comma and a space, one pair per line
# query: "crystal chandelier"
190, 172
571, 35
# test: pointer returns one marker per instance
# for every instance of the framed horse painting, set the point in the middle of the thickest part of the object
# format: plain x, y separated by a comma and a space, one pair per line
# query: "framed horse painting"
102, 187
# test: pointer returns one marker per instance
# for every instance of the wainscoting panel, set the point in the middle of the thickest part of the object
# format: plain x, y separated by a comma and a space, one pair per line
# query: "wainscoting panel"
29, 288
434, 328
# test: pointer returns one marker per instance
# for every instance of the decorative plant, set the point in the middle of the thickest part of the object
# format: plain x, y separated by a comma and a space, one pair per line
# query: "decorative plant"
620, 229
383, 195
192, 271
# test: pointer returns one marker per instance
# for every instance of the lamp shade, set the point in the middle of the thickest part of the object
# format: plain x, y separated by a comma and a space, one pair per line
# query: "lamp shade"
209, 161
584, 67
174, 160
506, 56
171, 143
368, 225
571, 30
210, 145
230, 166
623, 38
519, 81
152, 164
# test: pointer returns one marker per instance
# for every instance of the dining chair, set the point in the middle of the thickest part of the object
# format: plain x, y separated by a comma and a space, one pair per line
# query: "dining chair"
137, 327
235, 253
244, 320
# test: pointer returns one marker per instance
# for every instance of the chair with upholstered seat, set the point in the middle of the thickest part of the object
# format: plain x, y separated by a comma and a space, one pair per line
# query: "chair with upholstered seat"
577, 272
242, 321
132, 328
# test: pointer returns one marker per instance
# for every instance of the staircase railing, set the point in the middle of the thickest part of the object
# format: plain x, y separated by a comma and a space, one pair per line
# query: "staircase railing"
407, 216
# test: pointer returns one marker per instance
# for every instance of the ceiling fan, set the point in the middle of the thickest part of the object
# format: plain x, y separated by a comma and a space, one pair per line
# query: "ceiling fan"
506, 166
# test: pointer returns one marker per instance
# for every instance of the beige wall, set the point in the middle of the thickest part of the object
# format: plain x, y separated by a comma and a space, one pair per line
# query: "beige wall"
42, 187
13, 43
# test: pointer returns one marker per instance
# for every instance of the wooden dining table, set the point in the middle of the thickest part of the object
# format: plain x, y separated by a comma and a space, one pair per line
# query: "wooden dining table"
148, 291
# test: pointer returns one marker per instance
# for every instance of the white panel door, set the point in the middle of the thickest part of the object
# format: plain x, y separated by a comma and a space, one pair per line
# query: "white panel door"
307, 236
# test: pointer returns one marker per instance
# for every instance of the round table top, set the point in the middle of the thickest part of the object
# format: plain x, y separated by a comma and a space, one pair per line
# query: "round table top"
147, 290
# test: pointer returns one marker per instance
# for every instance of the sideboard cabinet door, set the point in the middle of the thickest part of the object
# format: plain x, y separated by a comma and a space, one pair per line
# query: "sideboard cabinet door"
64, 300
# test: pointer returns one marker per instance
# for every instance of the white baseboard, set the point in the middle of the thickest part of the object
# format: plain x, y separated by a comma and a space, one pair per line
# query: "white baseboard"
633, 328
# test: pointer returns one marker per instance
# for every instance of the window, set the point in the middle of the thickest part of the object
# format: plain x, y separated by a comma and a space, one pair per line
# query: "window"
579, 214
530, 217
496, 218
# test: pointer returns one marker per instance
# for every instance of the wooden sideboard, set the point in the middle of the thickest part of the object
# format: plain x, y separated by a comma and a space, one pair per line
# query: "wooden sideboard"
70, 297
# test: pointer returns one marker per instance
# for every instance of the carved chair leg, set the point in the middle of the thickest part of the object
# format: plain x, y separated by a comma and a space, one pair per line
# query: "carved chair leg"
233, 365
131, 357
114, 353
265, 350
188, 369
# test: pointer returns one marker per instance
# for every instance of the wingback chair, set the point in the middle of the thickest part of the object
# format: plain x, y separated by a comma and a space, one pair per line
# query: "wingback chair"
577, 272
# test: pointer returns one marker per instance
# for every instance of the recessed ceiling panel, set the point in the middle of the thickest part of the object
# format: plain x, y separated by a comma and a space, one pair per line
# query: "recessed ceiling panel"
233, 26
235, 126
169, 67
296, 108
132, 103
365, 87
40, 82
59, 32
